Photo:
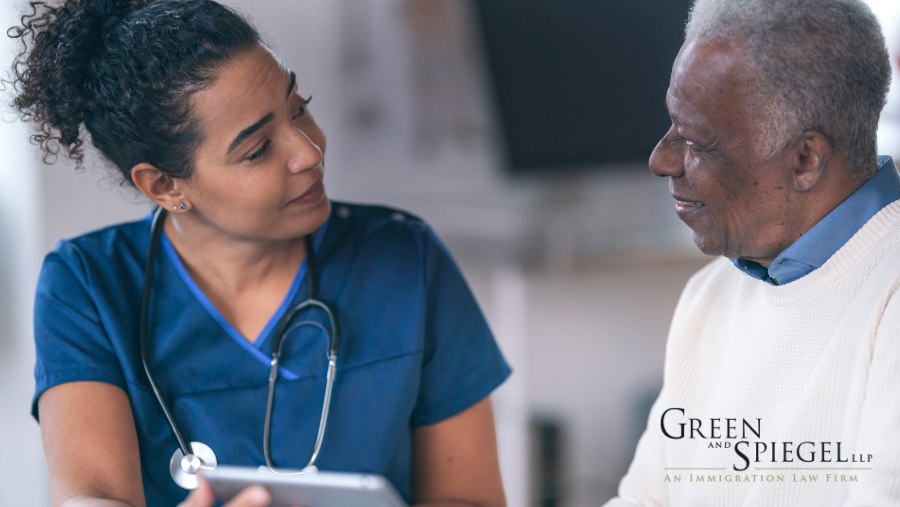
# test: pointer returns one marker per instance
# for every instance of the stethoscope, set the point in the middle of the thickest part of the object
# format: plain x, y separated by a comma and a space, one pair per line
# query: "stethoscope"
192, 457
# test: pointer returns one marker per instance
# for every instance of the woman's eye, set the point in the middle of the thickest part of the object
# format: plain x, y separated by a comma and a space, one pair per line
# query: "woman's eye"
303, 107
253, 156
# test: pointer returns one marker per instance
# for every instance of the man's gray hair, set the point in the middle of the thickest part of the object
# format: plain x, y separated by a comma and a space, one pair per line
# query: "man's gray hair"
813, 65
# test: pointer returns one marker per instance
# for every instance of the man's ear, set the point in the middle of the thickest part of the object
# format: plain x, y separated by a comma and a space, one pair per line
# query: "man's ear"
160, 187
811, 152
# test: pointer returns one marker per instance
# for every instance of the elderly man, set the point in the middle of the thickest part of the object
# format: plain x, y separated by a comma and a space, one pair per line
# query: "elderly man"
782, 374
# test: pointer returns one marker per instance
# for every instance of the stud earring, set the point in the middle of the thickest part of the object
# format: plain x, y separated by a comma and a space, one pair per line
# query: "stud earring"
182, 206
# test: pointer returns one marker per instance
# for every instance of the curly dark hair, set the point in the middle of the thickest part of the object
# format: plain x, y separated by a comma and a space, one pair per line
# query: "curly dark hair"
125, 69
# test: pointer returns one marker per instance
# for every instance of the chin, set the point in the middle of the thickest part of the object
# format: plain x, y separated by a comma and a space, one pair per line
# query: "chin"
302, 223
324, 209
317, 216
708, 245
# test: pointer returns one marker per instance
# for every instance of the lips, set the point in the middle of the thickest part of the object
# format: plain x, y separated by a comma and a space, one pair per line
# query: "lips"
313, 194
686, 207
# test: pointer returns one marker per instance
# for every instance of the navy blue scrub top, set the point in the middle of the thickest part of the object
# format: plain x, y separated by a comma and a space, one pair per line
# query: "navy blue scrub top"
416, 348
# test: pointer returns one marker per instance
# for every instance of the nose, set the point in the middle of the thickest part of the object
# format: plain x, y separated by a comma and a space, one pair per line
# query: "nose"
305, 154
666, 159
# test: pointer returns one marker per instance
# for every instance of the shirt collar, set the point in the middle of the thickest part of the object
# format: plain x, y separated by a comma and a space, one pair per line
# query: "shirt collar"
818, 244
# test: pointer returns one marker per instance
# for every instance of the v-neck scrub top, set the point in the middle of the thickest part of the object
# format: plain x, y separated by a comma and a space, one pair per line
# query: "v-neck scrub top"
416, 348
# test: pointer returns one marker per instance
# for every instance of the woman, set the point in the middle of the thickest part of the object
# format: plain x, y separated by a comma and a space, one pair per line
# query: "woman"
184, 99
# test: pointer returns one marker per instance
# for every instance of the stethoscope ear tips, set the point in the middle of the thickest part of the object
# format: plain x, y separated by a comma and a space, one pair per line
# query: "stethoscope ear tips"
184, 468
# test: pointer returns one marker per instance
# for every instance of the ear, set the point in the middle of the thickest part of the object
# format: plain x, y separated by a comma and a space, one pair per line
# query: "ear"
811, 152
160, 188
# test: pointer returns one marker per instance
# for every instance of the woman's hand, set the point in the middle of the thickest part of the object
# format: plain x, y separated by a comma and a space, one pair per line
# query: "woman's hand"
203, 496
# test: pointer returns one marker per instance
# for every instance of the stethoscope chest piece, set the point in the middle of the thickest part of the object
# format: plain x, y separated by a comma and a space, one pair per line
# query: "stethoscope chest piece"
184, 468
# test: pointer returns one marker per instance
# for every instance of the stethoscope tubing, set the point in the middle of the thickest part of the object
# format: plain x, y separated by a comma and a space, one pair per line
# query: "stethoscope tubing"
334, 347
155, 234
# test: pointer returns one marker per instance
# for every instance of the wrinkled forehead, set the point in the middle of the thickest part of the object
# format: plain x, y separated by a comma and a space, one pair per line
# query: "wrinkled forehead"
707, 84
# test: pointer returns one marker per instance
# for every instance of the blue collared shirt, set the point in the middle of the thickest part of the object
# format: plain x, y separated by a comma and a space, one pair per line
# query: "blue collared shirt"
827, 237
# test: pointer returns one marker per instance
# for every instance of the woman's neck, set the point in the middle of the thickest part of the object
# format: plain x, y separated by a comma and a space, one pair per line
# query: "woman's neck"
229, 265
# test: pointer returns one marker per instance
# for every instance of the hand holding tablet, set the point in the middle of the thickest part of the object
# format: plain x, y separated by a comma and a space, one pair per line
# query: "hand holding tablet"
311, 489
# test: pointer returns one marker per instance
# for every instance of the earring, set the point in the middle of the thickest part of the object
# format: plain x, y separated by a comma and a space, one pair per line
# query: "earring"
182, 206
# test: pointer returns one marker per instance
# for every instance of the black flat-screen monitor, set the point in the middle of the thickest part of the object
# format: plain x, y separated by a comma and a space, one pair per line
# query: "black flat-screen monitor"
581, 83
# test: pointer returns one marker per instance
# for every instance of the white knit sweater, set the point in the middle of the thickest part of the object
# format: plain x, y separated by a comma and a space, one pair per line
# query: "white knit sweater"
816, 360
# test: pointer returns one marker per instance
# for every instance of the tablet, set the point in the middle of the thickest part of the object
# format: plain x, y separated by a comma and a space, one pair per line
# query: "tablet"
312, 489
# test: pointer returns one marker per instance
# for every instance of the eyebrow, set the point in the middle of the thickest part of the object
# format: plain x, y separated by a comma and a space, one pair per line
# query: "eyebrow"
291, 85
252, 129
671, 115
249, 131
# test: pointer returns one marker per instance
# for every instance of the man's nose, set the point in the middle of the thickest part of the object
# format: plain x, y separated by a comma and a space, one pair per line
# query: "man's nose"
666, 159
305, 154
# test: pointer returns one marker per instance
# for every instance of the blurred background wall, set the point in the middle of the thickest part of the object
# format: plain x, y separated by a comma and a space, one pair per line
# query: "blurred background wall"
578, 266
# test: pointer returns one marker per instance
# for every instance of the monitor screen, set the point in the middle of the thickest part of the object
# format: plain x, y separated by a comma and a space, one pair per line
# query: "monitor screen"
581, 83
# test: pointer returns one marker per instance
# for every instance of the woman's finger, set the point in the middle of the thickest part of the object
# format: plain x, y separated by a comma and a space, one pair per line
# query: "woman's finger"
254, 496
203, 496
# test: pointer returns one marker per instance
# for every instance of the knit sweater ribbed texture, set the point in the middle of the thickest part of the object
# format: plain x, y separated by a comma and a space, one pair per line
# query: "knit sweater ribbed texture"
816, 360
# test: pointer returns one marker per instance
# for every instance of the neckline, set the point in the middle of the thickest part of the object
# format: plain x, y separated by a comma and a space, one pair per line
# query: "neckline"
833, 231
813, 249
254, 347
838, 264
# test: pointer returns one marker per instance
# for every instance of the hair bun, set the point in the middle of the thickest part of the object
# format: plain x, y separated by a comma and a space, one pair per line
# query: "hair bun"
50, 72
110, 24
123, 71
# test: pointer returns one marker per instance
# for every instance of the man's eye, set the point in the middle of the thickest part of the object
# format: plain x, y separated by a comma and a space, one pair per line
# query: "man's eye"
303, 107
